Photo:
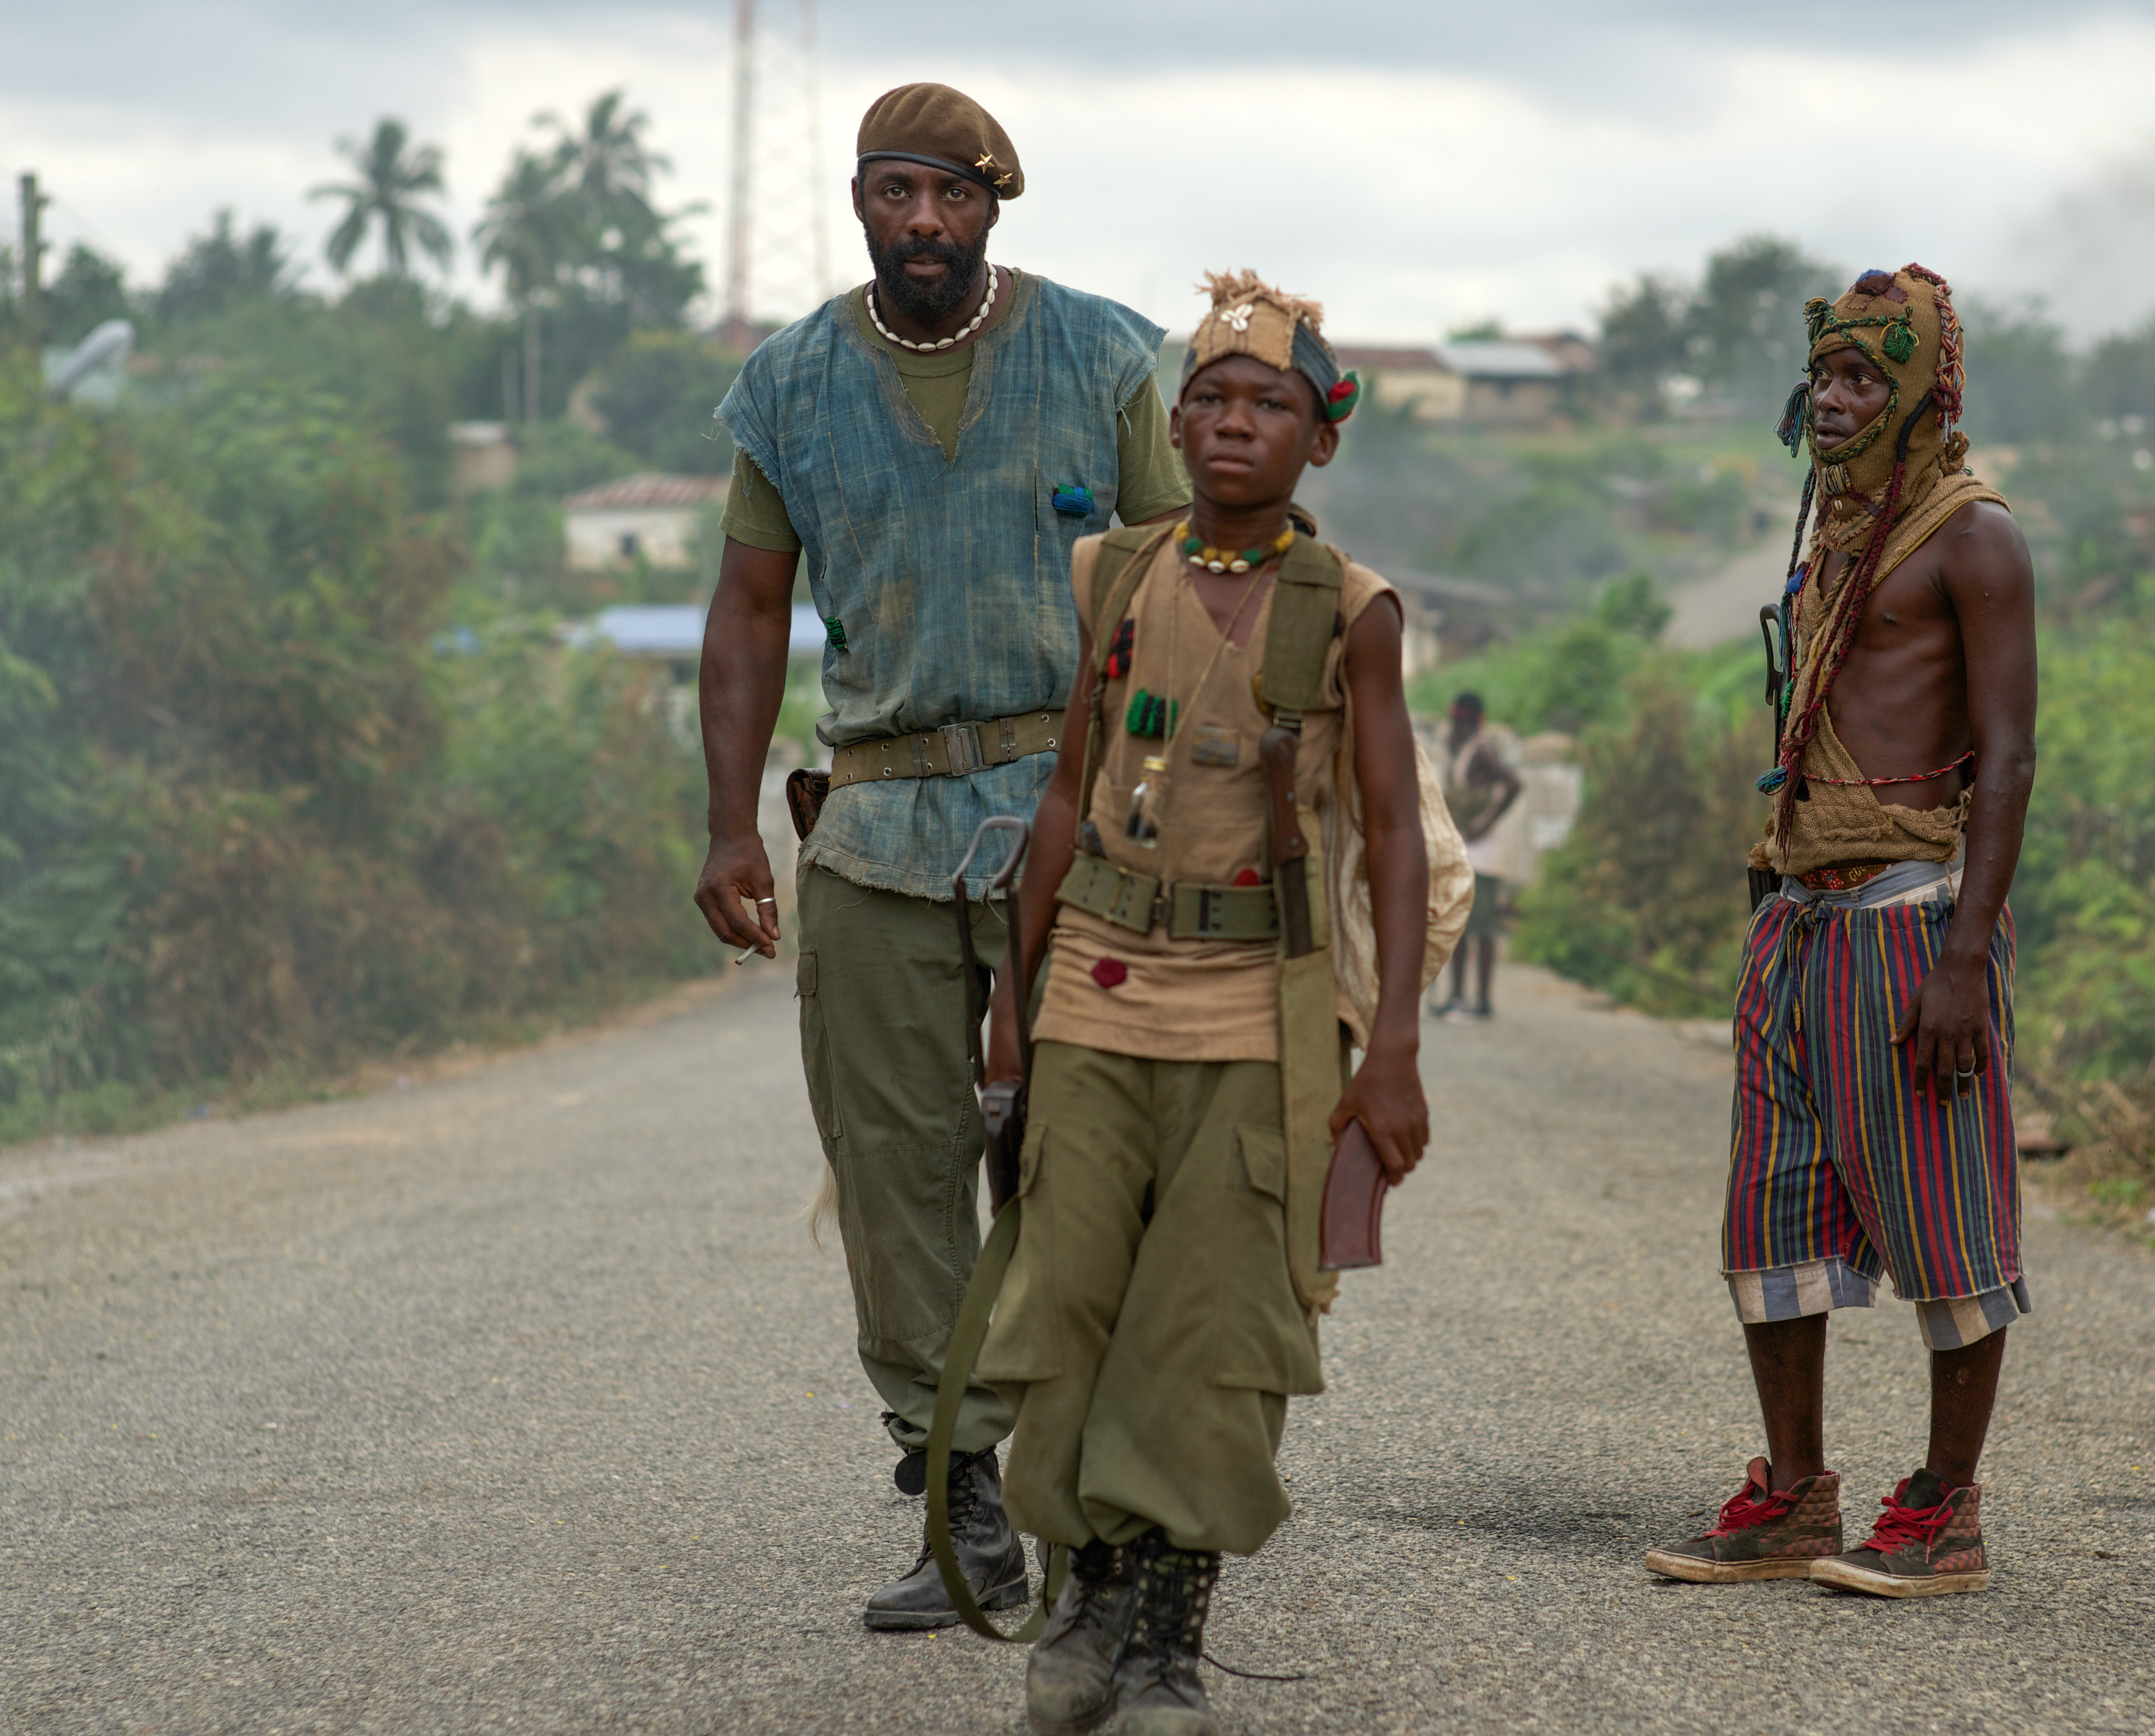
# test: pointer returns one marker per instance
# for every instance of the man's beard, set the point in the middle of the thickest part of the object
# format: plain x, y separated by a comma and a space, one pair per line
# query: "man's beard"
938, 298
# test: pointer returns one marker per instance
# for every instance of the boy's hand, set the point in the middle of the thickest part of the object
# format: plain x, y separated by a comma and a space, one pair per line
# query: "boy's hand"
1385, 1096
1002, 1057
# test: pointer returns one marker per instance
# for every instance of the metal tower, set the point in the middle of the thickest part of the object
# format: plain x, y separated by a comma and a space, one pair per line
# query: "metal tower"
778, 240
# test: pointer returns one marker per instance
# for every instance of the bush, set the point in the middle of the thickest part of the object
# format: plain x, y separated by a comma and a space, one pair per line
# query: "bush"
257, 812
1648, 898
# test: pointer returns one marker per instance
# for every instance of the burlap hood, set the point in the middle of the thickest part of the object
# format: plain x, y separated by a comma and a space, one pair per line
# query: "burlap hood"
1885, 492
1903, 321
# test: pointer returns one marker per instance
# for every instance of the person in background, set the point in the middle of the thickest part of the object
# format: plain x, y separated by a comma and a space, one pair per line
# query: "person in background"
1480, 786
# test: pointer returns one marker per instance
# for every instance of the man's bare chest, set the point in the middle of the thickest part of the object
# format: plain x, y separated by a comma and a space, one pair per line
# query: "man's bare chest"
1907, 611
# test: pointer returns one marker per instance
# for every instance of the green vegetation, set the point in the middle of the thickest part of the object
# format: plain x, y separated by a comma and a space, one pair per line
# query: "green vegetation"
257, 810
295, 769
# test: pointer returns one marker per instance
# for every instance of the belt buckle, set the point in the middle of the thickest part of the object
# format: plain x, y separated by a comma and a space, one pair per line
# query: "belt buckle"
961, 747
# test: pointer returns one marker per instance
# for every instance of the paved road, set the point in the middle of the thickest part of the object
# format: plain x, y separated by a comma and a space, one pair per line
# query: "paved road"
520, 1400
1724, 604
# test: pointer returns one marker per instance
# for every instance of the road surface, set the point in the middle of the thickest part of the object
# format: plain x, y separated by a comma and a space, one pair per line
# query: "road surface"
520, 1399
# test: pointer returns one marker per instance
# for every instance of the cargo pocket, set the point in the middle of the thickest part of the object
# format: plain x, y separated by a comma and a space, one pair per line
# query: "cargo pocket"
1024, 1339
1262, 1336
815, 1054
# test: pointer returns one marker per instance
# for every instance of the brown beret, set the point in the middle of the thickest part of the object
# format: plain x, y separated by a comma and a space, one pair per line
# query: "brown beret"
946, 129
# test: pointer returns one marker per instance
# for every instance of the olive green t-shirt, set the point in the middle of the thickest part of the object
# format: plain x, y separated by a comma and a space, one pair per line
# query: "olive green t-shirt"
1152, 480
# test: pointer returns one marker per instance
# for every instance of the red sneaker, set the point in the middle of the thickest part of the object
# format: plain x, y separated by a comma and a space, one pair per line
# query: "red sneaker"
1761, 1535
1928, 1542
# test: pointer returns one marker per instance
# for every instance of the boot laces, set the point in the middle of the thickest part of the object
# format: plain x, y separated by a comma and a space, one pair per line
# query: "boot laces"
963, 1506
1743, 1510
1167, 1628
1901, 1525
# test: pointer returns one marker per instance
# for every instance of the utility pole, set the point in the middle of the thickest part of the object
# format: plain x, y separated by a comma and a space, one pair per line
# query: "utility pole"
736, 320
33, 205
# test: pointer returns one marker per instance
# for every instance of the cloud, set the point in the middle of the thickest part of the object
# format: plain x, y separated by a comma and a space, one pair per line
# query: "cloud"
1415, 168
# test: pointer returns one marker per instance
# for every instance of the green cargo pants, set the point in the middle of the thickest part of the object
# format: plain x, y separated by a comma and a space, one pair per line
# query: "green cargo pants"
882, 1037
1148, 1332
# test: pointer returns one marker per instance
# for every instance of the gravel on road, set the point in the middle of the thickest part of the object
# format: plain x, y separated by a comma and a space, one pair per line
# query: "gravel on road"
522, 1400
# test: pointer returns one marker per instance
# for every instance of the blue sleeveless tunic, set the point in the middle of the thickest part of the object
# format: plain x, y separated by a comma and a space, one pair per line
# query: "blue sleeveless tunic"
949, 579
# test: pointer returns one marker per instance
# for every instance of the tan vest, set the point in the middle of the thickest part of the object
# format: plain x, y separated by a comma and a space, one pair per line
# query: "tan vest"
1212, 815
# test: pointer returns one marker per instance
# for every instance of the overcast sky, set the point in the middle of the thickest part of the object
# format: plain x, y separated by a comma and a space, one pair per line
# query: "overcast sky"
1416, 166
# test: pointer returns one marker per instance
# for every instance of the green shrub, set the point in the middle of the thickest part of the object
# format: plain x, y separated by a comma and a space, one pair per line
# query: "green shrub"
258, 812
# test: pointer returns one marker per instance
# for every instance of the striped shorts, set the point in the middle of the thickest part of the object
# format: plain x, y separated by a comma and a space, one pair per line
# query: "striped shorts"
1839, 1172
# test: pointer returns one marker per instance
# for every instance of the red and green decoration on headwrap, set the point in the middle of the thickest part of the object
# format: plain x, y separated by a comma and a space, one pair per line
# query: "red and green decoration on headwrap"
1345, 393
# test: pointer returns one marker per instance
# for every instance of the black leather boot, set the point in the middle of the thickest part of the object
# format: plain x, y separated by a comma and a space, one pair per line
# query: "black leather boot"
990, 1553
1157, 1691
1069, 1679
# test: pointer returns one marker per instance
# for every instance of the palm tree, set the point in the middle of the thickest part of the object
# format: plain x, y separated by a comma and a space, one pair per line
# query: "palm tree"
388, 190
609, 164
533, 231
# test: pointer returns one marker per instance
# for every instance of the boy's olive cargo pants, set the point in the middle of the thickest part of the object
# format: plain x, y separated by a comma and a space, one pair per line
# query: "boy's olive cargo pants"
882, 1037
1148, 1331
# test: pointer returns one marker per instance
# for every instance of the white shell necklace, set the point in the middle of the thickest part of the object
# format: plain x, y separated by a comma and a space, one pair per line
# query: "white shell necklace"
972, 326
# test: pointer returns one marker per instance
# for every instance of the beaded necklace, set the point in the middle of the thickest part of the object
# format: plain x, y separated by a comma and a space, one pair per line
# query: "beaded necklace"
973, 325
1200, 553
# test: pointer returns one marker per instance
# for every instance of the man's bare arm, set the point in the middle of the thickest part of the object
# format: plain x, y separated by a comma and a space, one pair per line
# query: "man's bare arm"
1385, 1094
1985, 574
740, 686
1491, 763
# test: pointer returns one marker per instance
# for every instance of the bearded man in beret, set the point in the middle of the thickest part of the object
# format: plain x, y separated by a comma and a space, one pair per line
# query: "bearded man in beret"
933, 442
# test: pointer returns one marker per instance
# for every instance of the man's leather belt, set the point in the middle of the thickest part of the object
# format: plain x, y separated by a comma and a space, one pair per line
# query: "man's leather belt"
1192, 909
951, 751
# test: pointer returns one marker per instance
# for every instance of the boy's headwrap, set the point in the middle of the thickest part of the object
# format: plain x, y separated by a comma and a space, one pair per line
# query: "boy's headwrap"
1249, 317
1887, 488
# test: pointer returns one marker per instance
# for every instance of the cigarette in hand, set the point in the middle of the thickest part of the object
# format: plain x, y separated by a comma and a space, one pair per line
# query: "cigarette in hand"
747, 953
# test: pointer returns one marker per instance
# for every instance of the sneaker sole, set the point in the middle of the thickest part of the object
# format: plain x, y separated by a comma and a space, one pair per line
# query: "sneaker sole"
1887, 1584
1014, 1595
1724, 1573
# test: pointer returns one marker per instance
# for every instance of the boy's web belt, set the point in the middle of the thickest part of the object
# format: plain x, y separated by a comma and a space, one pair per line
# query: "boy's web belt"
951, 751
1193, 910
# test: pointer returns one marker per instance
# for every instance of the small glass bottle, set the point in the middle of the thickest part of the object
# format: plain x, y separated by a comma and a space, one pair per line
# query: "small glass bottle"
1144, 827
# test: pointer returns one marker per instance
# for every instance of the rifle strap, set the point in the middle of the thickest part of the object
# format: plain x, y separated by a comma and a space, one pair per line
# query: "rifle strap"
1305, 619
1125, 556
959, 1356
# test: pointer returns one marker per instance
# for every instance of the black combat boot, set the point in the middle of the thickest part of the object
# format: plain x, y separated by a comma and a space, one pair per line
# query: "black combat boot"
1157, 1691
990, 1553
1069, 1684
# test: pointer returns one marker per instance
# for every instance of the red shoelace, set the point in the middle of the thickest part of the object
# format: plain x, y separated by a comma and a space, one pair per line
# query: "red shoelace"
1745, 1510
1899, 1525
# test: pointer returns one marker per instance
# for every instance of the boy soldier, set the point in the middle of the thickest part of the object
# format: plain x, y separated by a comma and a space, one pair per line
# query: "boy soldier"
1162, 1300
1874, 1012
933, 442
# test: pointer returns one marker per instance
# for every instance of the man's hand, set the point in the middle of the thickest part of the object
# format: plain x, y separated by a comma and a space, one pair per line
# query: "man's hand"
1949, 1023
739, 685
1385, 1096
734, 892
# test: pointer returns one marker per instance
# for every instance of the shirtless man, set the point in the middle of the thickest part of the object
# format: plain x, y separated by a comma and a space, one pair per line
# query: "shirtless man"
1480, 790
1873, 1131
